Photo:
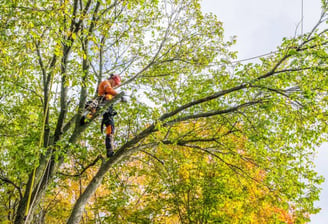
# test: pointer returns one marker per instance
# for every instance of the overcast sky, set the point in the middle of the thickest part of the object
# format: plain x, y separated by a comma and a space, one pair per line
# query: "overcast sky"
260, 26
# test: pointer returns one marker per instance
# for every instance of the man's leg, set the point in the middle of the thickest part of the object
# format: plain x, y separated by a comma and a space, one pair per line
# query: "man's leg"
109, 141
109, 146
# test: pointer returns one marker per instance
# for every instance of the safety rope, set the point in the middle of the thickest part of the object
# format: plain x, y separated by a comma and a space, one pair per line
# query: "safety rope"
27, 211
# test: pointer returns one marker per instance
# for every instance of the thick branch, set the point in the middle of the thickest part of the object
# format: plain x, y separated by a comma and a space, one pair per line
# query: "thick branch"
96, 181
63, 96
202, 100
66, 50
86, 65
213, 113
46, 86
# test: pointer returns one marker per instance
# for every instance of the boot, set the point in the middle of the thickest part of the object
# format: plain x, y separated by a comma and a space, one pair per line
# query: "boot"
82, 120
109, 146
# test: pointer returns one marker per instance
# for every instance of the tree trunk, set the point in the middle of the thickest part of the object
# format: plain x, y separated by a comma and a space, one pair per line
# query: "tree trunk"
124, 151
79, 206
38, 190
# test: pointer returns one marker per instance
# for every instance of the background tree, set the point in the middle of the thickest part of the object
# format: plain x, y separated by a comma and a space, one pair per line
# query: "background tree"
176, 68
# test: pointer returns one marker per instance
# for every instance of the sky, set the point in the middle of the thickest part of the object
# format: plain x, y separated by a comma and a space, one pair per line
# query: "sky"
259, 26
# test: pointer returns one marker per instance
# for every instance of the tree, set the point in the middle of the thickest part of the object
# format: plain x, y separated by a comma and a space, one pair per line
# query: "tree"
190, 185
170, 55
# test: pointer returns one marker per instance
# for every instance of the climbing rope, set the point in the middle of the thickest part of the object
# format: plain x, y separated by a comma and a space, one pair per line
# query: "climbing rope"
27, 211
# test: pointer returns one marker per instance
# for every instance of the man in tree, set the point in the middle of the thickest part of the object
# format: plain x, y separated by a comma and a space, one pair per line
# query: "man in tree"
106, 87
108, 120
107, 92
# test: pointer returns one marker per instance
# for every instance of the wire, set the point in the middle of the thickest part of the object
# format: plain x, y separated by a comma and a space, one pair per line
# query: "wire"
273, 52
255, 57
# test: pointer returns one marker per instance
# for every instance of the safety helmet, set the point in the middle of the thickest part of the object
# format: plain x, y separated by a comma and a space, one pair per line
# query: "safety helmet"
116, 78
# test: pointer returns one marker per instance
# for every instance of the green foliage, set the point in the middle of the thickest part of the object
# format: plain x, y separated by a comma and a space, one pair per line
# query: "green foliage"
184, 92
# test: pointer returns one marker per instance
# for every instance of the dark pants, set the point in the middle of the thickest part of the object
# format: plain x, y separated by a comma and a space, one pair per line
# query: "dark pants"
108, 121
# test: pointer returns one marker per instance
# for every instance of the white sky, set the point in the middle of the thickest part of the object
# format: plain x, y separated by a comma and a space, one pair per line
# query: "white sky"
260, 26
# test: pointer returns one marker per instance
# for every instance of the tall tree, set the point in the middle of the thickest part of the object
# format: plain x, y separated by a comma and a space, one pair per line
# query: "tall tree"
176, 68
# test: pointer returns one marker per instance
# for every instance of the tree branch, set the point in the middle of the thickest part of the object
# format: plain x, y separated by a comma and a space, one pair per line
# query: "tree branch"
74, 28
152, 61
233, 167
153, 156
202, 100
84, 169
6, 180
213, 113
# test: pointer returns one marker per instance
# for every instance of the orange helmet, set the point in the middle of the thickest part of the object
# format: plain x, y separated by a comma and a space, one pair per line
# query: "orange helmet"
116, 78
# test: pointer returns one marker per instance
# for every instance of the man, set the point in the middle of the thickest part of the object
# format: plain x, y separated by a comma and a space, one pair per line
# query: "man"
106, 87
107, 92
108, 120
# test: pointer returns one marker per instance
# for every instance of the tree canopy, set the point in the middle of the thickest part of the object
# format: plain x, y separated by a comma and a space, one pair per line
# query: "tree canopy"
215, 140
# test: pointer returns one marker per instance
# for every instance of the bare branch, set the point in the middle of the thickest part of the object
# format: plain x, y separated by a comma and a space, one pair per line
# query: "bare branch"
84, 168
153, 60
234, 168
279, 91
153, 156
